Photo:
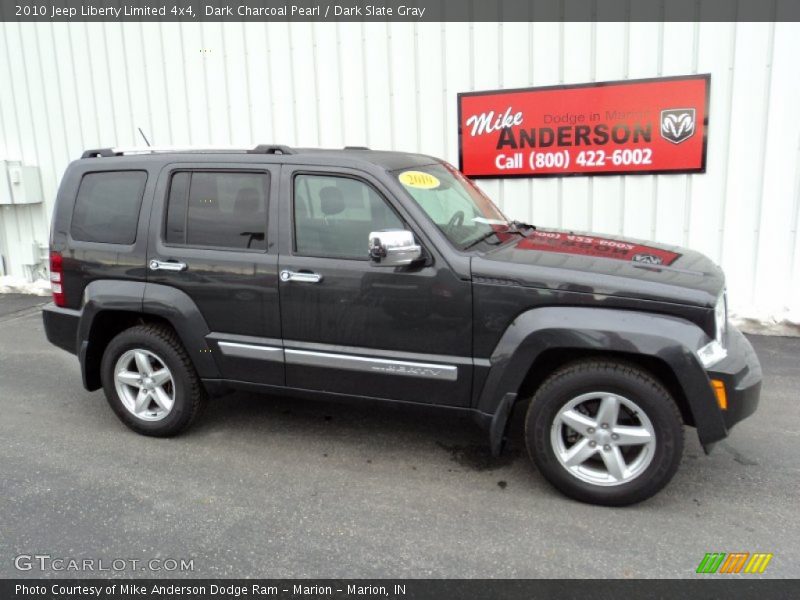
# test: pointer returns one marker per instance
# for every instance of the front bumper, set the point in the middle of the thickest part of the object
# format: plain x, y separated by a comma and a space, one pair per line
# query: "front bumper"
741, 373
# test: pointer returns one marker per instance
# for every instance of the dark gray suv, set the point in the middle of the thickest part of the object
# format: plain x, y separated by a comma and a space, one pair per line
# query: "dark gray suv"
389, 277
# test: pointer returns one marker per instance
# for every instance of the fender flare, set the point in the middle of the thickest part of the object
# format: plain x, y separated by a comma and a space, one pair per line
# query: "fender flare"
183, 314
138, 297
98, 296
669, 339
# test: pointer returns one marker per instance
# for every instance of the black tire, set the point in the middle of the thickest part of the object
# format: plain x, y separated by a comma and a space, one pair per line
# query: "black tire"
622, 379
190, 395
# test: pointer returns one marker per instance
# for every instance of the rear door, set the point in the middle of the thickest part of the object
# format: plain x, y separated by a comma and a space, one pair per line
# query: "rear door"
351, 327
212, 237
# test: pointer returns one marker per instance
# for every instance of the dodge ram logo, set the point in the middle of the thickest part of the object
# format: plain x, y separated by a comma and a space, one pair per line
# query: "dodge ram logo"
677, 124
647, 259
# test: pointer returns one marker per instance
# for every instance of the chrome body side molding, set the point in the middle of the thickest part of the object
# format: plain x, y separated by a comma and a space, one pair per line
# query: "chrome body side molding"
372, 365
251, 351
385, 362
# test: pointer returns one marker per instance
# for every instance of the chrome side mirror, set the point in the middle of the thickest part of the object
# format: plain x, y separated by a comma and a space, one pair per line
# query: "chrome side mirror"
393, 248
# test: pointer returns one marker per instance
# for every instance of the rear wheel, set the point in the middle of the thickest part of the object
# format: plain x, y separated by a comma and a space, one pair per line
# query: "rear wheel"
150, 381
604, 432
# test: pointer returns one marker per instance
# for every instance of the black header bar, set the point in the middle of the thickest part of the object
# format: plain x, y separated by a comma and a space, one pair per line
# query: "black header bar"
399, 10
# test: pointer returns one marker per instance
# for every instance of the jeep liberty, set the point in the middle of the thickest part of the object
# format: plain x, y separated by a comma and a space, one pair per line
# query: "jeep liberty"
179, 274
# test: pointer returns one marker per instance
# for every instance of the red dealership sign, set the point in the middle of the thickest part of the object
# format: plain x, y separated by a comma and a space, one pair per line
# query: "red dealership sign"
631, 126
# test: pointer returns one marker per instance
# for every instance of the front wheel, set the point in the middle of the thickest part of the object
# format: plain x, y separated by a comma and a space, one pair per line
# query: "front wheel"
604, 432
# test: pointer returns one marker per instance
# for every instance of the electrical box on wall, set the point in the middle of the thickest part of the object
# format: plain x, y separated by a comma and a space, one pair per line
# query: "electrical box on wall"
19, 184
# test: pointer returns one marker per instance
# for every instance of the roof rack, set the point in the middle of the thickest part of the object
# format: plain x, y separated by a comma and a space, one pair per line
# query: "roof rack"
102, 152
271, 149
121, 151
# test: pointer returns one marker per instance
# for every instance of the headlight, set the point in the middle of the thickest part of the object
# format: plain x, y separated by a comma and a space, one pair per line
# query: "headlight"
714, 351
721, 318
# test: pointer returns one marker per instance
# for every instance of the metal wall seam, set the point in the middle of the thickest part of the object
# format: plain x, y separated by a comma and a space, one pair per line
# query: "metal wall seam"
96, 84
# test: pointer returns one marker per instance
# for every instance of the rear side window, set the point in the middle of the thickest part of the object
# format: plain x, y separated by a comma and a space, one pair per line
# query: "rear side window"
107, 207
220, 209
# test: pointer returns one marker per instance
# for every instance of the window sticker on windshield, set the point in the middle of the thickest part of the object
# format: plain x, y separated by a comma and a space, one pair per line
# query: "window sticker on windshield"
418, 179
486, 221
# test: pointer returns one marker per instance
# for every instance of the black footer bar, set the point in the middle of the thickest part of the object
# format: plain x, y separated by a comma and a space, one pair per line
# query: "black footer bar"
396, 589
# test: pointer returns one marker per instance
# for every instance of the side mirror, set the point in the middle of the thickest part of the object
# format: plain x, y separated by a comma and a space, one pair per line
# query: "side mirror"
393, 248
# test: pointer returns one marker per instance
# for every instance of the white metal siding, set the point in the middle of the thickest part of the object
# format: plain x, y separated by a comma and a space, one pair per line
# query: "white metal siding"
67, 87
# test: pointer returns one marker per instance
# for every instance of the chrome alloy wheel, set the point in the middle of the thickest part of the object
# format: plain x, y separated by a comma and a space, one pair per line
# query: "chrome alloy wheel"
603, 438
144, 384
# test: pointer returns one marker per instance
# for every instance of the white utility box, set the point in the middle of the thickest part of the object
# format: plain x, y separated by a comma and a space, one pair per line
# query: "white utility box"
19, 184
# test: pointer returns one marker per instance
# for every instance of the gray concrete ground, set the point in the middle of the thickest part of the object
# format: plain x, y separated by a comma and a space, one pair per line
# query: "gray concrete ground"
275, 487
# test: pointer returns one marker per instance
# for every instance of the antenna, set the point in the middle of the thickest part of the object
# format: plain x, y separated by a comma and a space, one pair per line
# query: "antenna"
144, 136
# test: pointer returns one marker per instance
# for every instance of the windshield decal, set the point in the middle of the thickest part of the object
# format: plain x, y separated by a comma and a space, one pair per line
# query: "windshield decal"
490, 221
418, 179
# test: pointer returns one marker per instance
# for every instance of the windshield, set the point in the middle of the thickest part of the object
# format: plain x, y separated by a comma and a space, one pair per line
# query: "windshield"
462, 211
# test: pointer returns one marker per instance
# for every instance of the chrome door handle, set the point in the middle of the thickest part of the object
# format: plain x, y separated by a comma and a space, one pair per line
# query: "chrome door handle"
164, 265
300, 276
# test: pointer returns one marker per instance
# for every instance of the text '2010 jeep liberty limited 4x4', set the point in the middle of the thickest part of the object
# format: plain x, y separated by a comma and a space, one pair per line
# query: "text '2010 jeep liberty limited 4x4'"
389, 276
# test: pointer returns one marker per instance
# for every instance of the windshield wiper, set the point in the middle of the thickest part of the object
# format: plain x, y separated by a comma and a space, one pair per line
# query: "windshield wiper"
485, 237
514, 226
520, 225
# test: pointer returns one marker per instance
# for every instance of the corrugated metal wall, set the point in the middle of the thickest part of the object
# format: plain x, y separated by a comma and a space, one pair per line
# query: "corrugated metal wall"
66, 87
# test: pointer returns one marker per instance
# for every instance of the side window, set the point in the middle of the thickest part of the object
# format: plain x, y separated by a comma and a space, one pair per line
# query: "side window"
222, 209
107, 207
333, 216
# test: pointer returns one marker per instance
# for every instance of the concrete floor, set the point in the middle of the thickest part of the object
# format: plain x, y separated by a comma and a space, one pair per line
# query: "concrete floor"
276, 487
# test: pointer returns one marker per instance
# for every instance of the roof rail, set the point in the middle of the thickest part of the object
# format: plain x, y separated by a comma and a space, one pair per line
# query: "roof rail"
120, 151
102, 152
356, 148
271, 149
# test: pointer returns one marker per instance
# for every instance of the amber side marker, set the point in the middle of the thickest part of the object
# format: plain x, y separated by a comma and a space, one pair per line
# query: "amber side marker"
719, 391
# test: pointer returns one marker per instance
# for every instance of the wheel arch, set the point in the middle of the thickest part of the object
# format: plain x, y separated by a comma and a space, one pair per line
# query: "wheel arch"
112, 306
542, 339
553, 359
105, 326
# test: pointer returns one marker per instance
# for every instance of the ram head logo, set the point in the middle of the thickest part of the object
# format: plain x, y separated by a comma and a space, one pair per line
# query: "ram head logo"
647, 259
677, 124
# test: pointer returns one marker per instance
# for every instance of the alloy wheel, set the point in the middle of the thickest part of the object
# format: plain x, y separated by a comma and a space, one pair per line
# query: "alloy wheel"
603, 438
145, 385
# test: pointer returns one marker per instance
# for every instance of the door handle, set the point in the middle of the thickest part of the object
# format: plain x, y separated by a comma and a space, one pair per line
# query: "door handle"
300, 276
166, 265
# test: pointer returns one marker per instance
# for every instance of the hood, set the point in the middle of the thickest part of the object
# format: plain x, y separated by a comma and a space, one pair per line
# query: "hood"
608, 266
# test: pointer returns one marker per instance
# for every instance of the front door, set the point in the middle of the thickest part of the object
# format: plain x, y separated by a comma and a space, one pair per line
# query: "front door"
352, 327
211, 238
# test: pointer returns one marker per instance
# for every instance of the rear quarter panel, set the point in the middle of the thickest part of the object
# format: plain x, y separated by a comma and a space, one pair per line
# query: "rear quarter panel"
85, 262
